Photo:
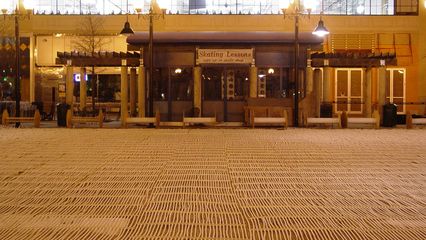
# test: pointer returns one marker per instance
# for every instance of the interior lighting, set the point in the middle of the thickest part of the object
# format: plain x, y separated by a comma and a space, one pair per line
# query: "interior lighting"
271, 71
58, 35
178, 70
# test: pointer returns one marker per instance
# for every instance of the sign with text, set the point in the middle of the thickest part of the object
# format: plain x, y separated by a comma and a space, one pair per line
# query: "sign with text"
225, 56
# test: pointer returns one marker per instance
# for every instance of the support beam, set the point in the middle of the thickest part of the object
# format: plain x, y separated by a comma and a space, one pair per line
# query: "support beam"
327, 94
133, 92
32, 70
124, 89
381, 88
69, 86
367, 92
197, 89
141, 92
253, 81
309, 80
83, 89
317, 82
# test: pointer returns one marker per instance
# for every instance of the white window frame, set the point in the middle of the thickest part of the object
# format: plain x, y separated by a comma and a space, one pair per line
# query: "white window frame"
391, 97
349, 97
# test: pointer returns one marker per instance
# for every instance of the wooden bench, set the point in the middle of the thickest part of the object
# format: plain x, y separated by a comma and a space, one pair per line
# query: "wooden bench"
269, 120
312, 121
375, 120
72, 120
198, 120
410, 121
6, 119
144, 120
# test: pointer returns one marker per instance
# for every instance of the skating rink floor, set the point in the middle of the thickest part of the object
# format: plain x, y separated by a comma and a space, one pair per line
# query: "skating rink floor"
308, 184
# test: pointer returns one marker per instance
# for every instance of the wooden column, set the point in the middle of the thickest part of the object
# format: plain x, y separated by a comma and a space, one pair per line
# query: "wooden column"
381, 88
317, 82
141, 92
327, 93
309, 80
124, 89
253, 81
132, 92
32, 70
367, 93
83, 88
69, 86
197, 89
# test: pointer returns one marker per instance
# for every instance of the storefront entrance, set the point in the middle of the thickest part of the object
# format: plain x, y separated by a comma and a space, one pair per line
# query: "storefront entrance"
224, 92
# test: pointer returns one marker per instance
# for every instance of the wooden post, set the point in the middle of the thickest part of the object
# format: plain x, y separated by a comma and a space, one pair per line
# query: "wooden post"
197, 89
101, 118
141, 92
309, 80
69, 86
69, 118
381, 90
124, 88
83, 89
253, 82
376, 115
37, 118
4, 117
132, 92
157, 118
344, 120
318, 91
409, 120
327, 85
367, 92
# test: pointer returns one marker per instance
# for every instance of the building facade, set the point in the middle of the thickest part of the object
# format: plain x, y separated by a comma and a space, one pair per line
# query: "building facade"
380, 28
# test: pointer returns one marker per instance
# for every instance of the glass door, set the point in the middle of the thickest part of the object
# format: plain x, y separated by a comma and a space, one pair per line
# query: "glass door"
225, 90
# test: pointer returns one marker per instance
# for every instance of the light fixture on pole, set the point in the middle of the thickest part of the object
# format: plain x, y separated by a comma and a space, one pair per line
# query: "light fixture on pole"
296, 9
320, 30
152, 14
127, 30
17, 14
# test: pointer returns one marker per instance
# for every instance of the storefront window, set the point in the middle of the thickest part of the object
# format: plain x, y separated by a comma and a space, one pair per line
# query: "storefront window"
161, 84
212, 83
181, 84
273, 82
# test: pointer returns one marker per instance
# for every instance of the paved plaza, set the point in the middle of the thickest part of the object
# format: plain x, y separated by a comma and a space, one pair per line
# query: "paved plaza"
307, 184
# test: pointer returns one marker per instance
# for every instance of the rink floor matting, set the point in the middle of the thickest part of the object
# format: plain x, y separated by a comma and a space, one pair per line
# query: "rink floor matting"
308, 184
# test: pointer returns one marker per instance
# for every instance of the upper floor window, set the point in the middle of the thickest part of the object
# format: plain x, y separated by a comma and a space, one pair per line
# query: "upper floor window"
332, 7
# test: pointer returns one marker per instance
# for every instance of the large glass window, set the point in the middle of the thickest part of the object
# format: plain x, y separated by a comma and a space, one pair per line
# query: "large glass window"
181, 84
395, 87
174, 83
212, 83
273, 82
344, 7
348, 90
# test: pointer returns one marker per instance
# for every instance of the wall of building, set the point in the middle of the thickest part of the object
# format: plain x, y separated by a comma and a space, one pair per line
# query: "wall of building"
42, 27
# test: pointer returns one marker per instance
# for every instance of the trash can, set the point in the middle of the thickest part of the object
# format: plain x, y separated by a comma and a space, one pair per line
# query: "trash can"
326, 110
389, 115
61, 112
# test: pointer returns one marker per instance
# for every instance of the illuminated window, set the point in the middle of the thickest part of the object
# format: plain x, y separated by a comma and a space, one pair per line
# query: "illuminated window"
395, 87
348, 90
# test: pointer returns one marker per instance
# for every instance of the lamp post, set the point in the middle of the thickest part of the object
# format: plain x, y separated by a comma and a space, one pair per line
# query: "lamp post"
151, 16
16, 15
297, 10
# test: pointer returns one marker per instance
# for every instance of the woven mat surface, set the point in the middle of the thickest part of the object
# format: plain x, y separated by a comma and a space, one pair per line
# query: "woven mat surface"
307, 184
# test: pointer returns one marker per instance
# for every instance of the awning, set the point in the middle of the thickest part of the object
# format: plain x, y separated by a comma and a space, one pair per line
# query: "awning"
140, 38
